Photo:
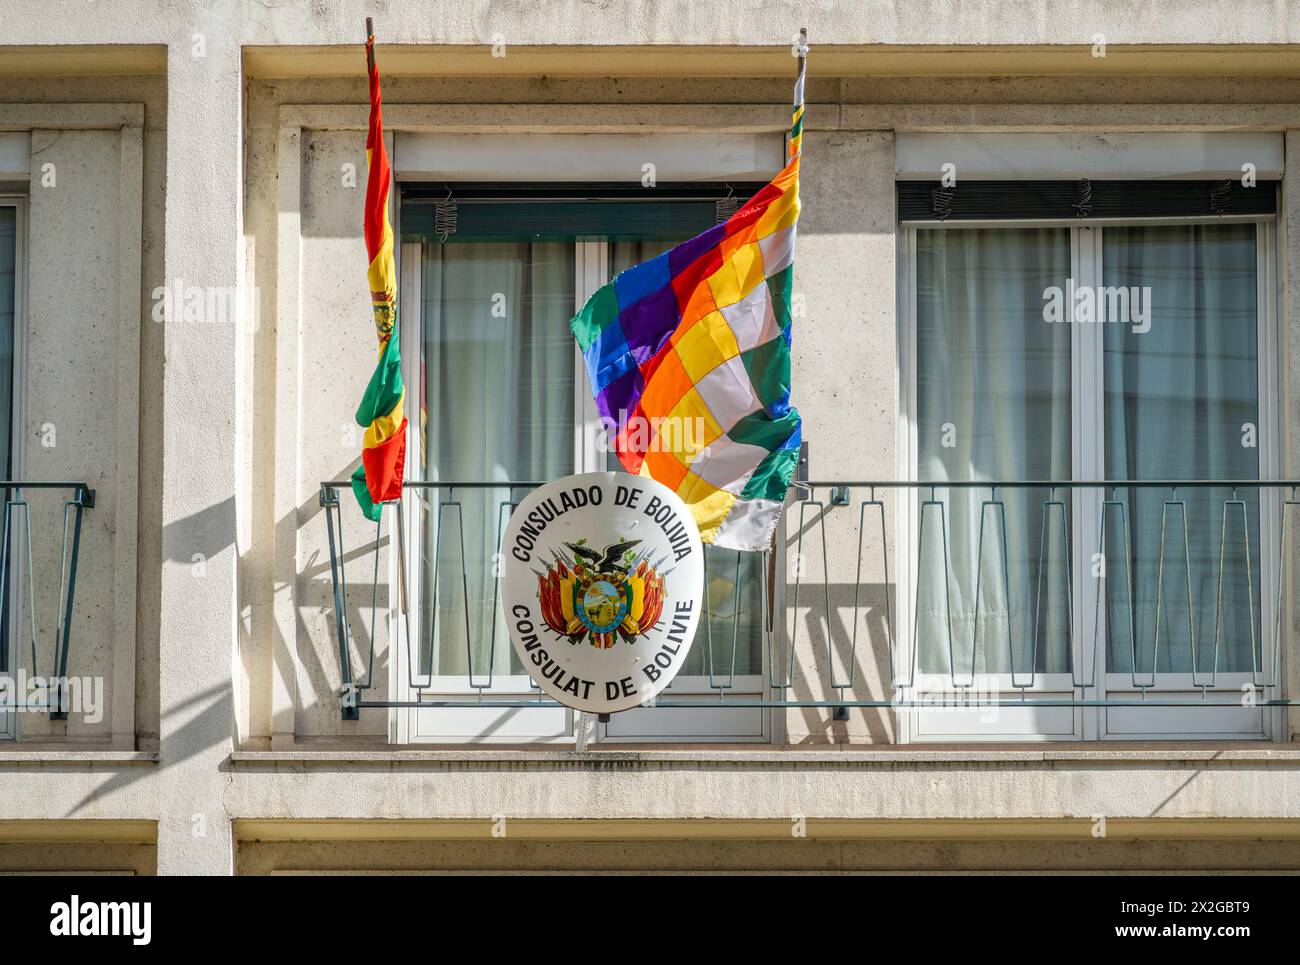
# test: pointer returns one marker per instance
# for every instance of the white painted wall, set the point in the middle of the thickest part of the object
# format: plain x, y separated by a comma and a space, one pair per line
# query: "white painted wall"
1102, 155
240, 422
589, 157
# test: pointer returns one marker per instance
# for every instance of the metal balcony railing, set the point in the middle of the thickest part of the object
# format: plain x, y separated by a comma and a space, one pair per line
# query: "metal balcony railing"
27, 575
1023, 593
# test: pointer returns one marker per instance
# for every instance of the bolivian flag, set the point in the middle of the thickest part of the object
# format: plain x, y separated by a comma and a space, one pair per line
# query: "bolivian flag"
379, 477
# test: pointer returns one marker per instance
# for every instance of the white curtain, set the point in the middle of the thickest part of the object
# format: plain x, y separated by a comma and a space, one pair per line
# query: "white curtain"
993, 403
8, 315
498, 370
1179, 399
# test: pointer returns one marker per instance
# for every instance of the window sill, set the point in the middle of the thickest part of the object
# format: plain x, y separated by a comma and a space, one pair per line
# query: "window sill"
1236, 752
37, 755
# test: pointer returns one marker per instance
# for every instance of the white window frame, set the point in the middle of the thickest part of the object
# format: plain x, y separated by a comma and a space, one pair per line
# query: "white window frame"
9, 720
486, 725
1087, 444
543, 724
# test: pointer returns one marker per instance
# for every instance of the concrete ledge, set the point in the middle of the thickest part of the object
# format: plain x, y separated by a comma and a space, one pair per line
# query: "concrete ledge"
554, 118
38, 756
253, 829
851, 755
123, 831
759, 118
1070, 783
772, 59
70, 116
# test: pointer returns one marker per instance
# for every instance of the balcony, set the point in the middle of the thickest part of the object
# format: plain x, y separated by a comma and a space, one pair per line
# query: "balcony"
40, 554
944, 611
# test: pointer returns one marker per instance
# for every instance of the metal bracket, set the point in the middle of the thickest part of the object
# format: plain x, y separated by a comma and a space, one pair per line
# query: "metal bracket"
1082, 202
941, 201
724, 208
1221, 197
329, 496
445, 217
349, 699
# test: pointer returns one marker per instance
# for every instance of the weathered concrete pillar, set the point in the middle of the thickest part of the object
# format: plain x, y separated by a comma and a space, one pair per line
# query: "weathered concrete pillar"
200, 432
844, 385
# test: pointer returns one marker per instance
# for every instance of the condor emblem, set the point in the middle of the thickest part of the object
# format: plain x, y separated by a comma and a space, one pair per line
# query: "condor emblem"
602, 587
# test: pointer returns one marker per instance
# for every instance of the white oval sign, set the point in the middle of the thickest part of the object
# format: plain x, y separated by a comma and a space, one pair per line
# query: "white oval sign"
602, 588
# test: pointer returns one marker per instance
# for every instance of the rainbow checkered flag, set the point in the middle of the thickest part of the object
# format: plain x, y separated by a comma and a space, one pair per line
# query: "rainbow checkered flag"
383, 455
689, 360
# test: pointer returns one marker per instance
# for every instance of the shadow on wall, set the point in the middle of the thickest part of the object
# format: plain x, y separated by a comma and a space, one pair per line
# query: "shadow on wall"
202, 535
180, 745
826, 655
837, 632
363, 561
825, 658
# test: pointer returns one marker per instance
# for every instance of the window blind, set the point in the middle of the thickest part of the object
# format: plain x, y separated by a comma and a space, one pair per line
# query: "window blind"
993, 200
552, 212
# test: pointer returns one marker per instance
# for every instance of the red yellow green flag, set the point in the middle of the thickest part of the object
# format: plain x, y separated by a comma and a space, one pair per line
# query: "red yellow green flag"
383, 455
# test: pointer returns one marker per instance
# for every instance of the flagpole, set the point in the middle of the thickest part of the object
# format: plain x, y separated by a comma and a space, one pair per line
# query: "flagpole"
796, 128
400, 525
796, 149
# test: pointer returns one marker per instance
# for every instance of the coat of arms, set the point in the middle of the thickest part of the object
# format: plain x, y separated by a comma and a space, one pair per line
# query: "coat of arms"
601, 596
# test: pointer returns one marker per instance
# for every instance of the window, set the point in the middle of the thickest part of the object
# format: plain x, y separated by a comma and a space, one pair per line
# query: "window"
504, 400
984, 352
1040, 346
11, 224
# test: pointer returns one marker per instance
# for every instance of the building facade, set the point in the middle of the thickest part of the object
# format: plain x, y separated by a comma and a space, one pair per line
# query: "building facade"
1031, 606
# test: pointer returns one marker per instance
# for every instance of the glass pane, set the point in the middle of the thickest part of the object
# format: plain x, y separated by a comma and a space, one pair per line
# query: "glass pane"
729, 638
993, 403
1182, 403
497, 394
